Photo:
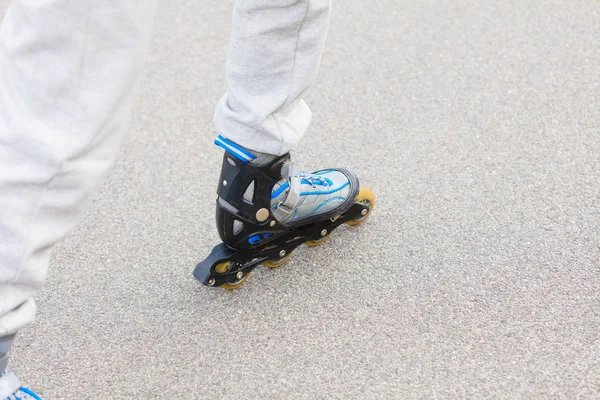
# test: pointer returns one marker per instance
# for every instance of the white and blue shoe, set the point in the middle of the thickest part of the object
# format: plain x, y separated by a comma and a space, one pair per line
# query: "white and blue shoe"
308, 197
11, 388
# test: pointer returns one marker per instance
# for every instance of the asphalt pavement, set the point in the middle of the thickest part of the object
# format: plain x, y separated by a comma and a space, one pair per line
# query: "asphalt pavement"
476, 124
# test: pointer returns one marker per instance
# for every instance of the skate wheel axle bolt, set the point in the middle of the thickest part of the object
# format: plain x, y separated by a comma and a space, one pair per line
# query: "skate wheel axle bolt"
324, 232
262, 215
211, 282
282, 253
364, 212
239, 275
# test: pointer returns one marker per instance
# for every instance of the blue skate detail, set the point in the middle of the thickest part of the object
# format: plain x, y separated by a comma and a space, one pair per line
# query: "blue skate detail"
253, 239
280, 190
314, 180
29, 392
234, 149
258, 238
22, 393
325, 192
323, 182
327, 201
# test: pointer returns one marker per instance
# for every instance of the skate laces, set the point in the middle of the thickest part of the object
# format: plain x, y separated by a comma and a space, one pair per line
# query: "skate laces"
293, 190
313, 179
11, 388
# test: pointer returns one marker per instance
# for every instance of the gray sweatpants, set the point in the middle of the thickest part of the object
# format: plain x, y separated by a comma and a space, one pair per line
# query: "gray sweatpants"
68, 73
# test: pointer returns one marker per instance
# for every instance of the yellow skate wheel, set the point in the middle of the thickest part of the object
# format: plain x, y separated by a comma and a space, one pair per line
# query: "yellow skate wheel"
236, 284
278, 263
366, 197
318, 242
225, 267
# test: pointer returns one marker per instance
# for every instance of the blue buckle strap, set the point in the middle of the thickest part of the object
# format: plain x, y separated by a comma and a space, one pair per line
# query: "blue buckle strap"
234, 149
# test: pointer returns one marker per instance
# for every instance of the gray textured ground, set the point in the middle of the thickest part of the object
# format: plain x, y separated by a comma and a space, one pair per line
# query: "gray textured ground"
476, 123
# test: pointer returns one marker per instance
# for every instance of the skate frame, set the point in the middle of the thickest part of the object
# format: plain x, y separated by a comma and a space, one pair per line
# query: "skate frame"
246, 260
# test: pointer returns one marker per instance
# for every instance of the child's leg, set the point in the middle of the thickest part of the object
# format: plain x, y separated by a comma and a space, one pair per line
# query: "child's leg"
68, 74
274, 54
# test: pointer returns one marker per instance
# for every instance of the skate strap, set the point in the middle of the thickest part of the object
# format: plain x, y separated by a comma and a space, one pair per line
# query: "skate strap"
287, 169
9, 383
293, 195
234, 149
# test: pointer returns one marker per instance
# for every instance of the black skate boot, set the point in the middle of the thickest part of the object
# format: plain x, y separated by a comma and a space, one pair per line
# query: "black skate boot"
265, 211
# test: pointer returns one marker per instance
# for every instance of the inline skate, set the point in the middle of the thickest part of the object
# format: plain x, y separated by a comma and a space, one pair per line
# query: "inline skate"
265, 211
